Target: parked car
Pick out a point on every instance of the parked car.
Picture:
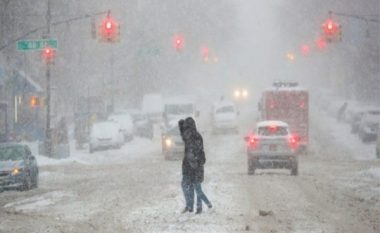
(271, 145)
(105, 135)
(18, 167)
(143, 126)
(173, 146)
(126, 124)
(224, 117)
(369, 126)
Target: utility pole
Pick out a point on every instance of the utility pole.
(48, 139)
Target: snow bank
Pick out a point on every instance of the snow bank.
(372, 173)
(37, 202)
(131, 150)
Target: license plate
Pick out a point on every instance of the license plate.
(273, 147)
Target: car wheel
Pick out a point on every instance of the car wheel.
(251, 168)
(294, 170)
(27, 184)
(35, 182)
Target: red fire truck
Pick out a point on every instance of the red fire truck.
(288, 102)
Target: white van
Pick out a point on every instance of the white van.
(224, 117)
(152, 106)
(176, 108)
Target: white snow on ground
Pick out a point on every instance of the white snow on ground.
(130, 150)
(38, 202)
(372, 173)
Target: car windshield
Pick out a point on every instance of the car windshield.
(176, 109)
(272, 131)
(104, 129)
(13, 153)
(174, 131)
(225, 109)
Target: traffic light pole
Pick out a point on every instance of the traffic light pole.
(48, 142)
(48, 139)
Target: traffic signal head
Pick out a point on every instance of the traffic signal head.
(179, 42)
(305, 49)
(331, 30)
(48, 54)
(321, 43)
(109, 30)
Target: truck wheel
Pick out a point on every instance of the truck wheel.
(251, 168)
(294, 170)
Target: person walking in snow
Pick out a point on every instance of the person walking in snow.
(187, 174)
(195, 159)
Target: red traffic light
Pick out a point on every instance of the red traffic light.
(331, 30)
(178, 42)
(305, 49)
(321, 43)
(109, 30)
(330, 27)
(205, 52)
(48, 54)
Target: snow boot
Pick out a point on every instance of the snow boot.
(186, 210)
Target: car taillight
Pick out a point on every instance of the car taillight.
(293, 141)
(252, 141)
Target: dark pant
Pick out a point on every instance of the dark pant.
(200, 196)
(188, 191)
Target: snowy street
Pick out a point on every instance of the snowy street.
(113, 112)
(135, 190)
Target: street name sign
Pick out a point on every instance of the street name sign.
(27, 45)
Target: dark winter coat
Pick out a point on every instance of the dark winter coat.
(194, 158)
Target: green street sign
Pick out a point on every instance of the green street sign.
(25, 45)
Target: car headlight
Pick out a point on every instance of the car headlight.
(16, 171)
(245, 93)
(168, 142)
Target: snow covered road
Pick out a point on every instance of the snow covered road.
(135, 190)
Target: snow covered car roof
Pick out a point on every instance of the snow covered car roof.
(271, 123)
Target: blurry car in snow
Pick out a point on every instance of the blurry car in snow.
(369, 126)
(105, 135)
(18, 167)
(142, 125)
(272, 146)
(224, 117)
(126, 124)
(152, 106)
(172, 145)
(178, 107)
